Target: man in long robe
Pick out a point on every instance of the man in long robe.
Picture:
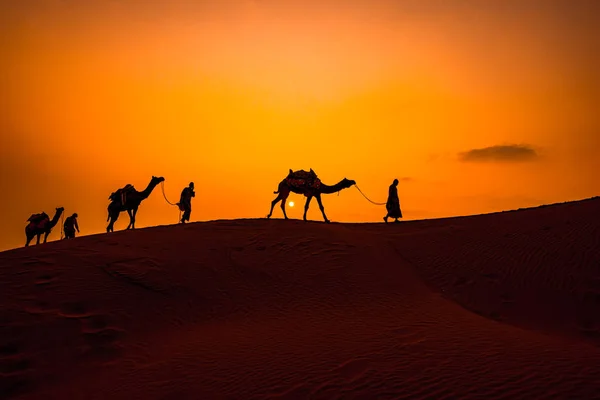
(393, 203)
(185, 202)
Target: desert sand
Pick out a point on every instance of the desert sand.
(504, 305)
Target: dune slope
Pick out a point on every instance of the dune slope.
(502, 305)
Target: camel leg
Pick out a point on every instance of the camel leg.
(114, 216)
(130, 219)
(133, 218)
(283, 200)
(308, 199)
(38, 238)
(273, 203)
(318, 196)
(46, 236)
(109, 227)
(29, 237)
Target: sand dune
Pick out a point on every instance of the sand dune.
(503, 305)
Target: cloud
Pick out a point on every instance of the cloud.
(406, 179)
(501, 153)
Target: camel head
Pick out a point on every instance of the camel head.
(157, 179)
(341, 185)
(59, 211)
(346, 183)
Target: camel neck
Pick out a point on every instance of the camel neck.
(146, 192)
(326, 189)
(55, 218)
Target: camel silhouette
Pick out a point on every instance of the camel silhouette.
(284, 189)
(129, 202)
(44, 225)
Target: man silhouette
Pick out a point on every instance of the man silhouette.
(70, 226)
(393, 203)
(185, 202)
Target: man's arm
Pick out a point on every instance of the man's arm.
(76, 225)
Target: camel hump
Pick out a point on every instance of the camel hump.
(38, 217)
(304, 179)
(302, 174)
(127, 188)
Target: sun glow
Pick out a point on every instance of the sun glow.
(291, 203)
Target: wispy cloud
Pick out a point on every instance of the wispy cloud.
(500, 153)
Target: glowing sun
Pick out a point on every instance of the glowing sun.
(291, 203)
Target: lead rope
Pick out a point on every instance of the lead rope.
(162, 186)
(377, 204)
(62, 225)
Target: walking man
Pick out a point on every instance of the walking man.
(185, 202)
(70, 226)
(393, 203)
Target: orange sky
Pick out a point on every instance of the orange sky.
(231, 94)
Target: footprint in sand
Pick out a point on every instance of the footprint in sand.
(74, 310)
(101, 339)
(14, 367)
(39, 307)
(102, 345)
(45, 279)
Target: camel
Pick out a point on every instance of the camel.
(284, 189)
(44, 225)
(128, 201)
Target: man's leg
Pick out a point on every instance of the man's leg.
(186, 215)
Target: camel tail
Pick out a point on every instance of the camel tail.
(276, 192)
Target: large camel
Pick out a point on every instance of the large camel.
(129, 201)
(284, 189)
(44, 225)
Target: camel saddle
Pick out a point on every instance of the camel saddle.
(121, 194)
(302, 179)
(37, 218)
(38, 221)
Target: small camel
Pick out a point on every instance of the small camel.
(132, 200)
(43, 225)
(284, 189)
